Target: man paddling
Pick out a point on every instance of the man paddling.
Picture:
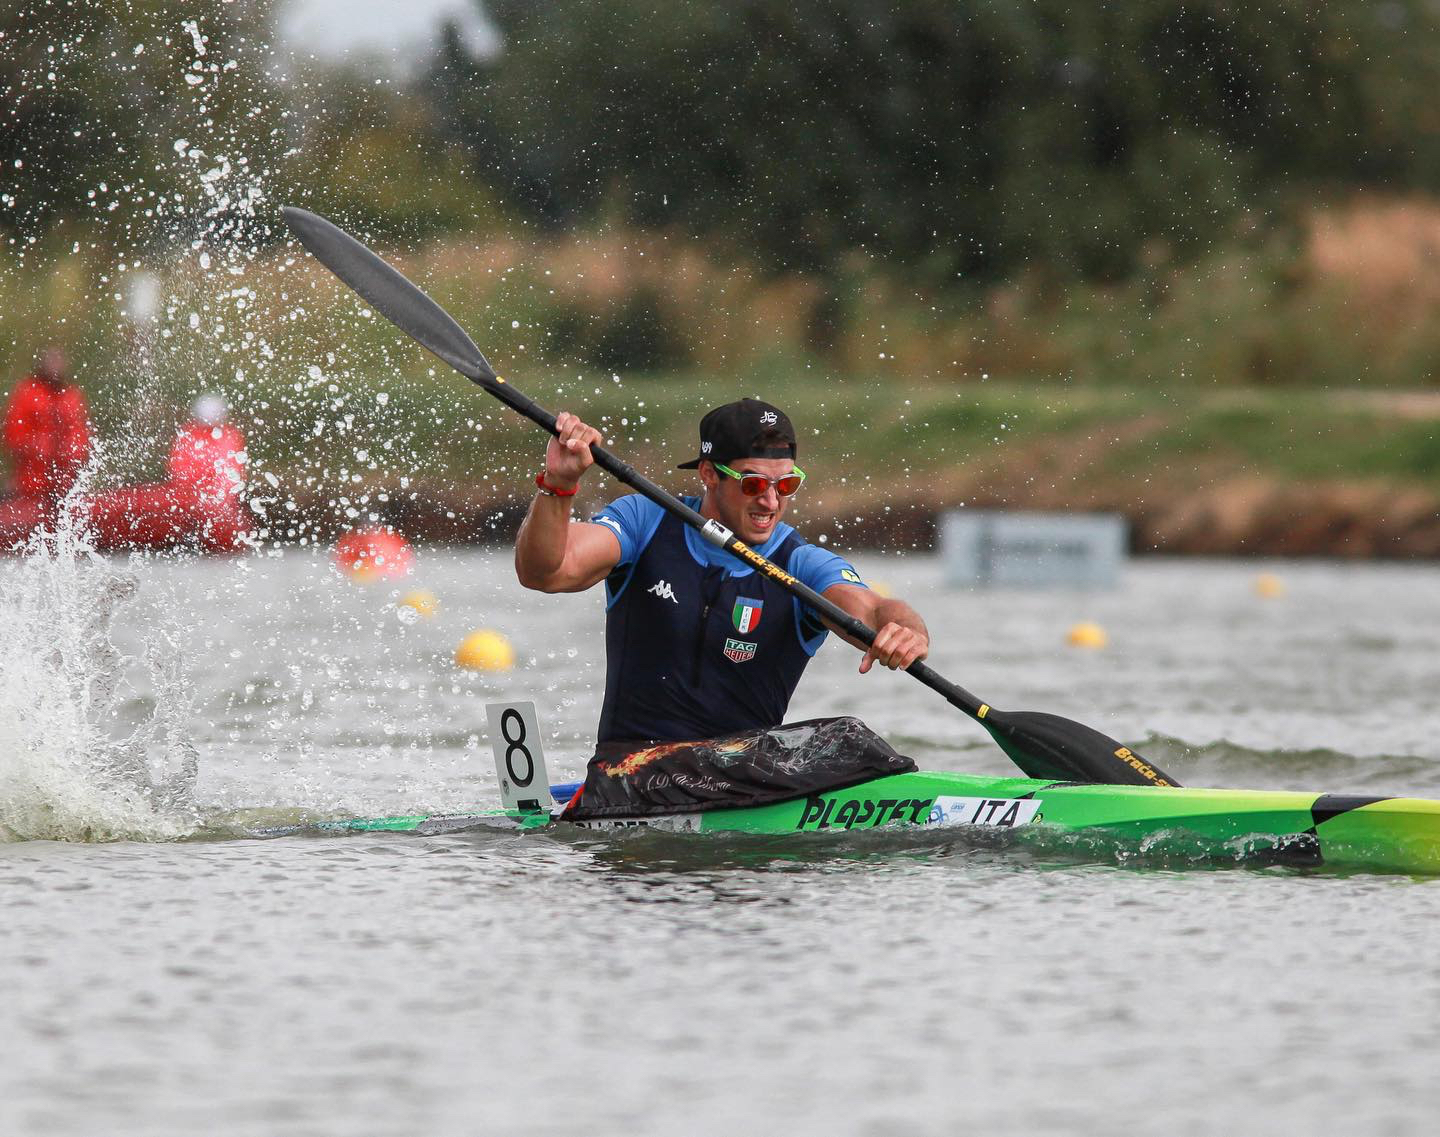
(698, 643)
(1042, 745)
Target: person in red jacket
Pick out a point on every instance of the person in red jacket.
(208, 456)
(197, 506)
(47, 431)
(207, 469)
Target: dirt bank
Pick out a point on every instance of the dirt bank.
(1240, 516)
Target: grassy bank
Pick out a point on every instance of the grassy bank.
(1306, 472)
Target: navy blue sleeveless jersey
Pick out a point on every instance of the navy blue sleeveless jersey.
(697, 643)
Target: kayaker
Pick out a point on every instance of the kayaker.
(699, 644)
(47, 432)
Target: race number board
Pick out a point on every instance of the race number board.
(519, 758)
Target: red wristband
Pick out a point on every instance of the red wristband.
(551, 490)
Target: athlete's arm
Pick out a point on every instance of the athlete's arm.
(551, 553)
(902, 637)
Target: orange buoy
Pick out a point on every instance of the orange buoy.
(1087, 635)
(417, 605)
(1268, 586)
(377, 553)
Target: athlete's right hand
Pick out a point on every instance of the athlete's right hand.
(568, 456)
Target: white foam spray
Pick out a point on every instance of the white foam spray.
(74, 763)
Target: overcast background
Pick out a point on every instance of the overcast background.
(398, 30)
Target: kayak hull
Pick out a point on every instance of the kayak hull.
(1246, 826)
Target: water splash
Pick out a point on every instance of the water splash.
(73, 763)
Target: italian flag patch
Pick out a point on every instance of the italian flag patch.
(746, 614)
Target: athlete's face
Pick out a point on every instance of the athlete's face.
(753, 519)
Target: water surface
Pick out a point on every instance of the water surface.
(652, 983)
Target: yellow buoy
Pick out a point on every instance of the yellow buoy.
(1088, 635)
(417, 605)
(1269, 586)
(484, 650)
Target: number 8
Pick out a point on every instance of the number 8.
(516, 744)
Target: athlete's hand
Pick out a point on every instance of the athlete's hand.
(896, 647)
(568, 456)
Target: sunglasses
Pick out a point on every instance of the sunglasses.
(753, 485)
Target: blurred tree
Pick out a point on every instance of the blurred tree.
(963, 140)
(371, 155)
(95, 95)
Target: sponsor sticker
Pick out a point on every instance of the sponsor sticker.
(774, 572)
(1133, 760)
(668, 823)
(1001, 812)
(851, 575)
(738, 651)
(746, 614)
(863, 813)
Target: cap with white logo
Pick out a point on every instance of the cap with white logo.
(744, 429)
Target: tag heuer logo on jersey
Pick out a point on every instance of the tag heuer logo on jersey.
(747, 614)
(738, 651)
(662, 589)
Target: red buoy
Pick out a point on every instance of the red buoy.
(377, 553)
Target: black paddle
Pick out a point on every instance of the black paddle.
(1042, 745)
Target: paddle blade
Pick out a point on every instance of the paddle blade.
(389, 293)
(1048, 746)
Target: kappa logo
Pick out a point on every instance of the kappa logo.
(610, 521)
(662, 589)
(738, 651)
(769, 418)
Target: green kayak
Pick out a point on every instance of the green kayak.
(1244, 826)
(1166, 824)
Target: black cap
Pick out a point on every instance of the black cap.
(747, 429)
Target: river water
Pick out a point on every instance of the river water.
(166, 977)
